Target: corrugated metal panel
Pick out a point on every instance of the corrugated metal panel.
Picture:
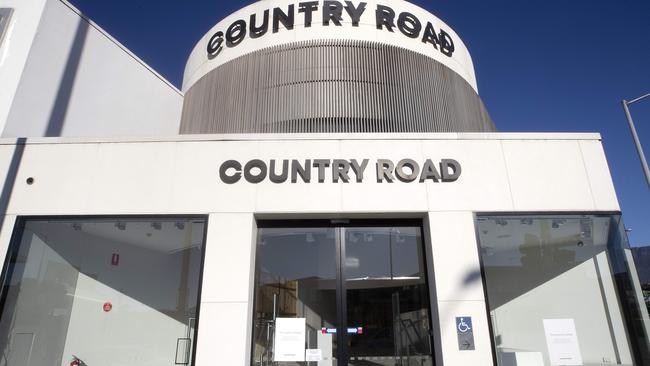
(333, 86)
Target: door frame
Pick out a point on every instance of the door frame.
(341, 291)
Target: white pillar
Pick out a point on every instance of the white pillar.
(225, 318)
(458, 287)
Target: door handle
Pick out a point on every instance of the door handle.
(183, 346)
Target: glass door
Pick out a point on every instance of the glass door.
(338, 295)
(386, 297)
(296, 308)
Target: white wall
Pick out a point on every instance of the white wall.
(199, 64)
(225, 322)
(15, 48)
(459, 289)
(77, 81)
(501, 173)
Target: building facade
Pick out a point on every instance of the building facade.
(327, 189)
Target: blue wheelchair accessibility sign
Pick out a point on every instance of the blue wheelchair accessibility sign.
(465, 332)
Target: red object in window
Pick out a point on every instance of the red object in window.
(108, 307)
(115, 260)
(75, 362)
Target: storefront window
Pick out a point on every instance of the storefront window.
(562, 290)
(102, 292)
(5, 17)
(341, 296)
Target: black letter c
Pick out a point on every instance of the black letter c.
(223, 172)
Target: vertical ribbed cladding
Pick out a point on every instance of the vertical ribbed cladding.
(333, 86)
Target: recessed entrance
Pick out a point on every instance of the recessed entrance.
(337, 295)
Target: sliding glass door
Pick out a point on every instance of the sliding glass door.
(347, 294)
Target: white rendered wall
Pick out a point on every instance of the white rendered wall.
(199, 64)
(459, 288)
(15, 48)
(77, 81)
(501, 173)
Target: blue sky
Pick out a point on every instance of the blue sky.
(541, 65)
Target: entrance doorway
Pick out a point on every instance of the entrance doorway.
(352, 293)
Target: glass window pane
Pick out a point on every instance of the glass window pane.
(296, 279)
(387, 297)
(560, 291)
(108, 292)
(5, 17)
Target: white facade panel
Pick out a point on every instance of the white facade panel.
(500, 173)
(599, 176)
(458, 285)
(199, 64)
(15, 48)
(182, 176)
(451, 355)
(8, 222)
(77, 81)
(229, 265)
(226, 340)
(547, 176)
(455, 256)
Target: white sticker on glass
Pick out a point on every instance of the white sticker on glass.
(289, 340)
(562, 342)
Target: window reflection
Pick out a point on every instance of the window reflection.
(296, 278)
(387, 297)
(5, 17)
(545, 273)
(367, 282)
(102, 291)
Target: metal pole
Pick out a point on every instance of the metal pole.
(639, 149)
(638, 99)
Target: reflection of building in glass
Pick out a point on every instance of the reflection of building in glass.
(77, 285)
(531, 260)
(381, 277)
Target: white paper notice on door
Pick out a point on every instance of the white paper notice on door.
(289, 340)
(562, 342)
(313, 355)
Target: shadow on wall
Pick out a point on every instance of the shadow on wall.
(60, 108)
(57, 115)
(10, 179)
(472, 277)
(540, 262)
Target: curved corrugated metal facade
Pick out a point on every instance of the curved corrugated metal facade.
(333, 86)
